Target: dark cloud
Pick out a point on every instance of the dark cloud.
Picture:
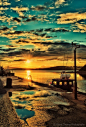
(80, 56)
(34, 18)
(15, 32)
(7, 50)
(15, 53)
(36, 34)
(4, 28)
(25, 50)
(42, 35)
(28, 20)
(48, 29)
(16, 19)
(23, 17)
(2, 54)
(82, 20)
(56, 49)
(19, 52)
(2, 60)
(52, 30)
(78, 41)
(51, 49)
(48, 59)
(22, 41)
(10, 46)
(60, 30)
(32, 30)
(48, 36)
(38, 8)
(39, 30)
(63, 43)
(57, 30)
(18, 32)
(20, 60)
(38, 53)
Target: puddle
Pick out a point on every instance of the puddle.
(28, 92)
(21, 102)
(24, 113)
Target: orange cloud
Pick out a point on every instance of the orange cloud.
(19, 10)
(81, 28)
(71, 17)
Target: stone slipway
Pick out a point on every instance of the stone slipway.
(8, 115)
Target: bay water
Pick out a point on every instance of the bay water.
(46, 76)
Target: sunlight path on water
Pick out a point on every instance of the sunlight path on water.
(46, 76)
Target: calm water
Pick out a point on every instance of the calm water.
(21, 104)
(24, 113)
(46, 76)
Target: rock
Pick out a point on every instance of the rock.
(68, 109)
(62, 112)
(85, 102)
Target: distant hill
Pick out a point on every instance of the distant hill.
(82, 71)
(57, 68)
(83, 68)
(50, 68)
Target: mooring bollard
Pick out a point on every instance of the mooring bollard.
(9, 83)
(10, 94)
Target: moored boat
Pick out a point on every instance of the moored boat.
(64, 82)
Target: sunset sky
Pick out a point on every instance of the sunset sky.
(39, 33)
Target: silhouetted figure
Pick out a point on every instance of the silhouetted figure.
(2, 71)
(62, 75)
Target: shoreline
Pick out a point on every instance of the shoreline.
(48, 112)
(8, 115)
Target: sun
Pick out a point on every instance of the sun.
(28, 61)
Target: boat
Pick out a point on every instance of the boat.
(64, 82)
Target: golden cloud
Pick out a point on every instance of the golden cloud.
(4, 2)
(81, 27)
(71, 17)
(2, 9)
(59, 2)
(19, 10)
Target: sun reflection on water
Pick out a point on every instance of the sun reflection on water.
(28, 72)
(29, 75)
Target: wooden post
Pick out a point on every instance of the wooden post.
(75, 89)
